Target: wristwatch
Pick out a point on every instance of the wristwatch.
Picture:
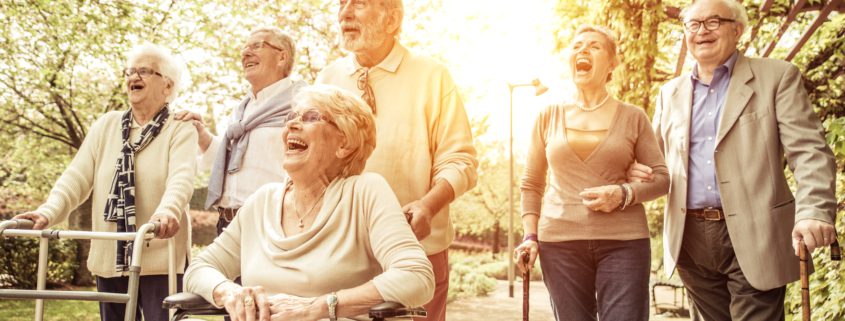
(331, 301)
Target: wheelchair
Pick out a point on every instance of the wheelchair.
(187, 304)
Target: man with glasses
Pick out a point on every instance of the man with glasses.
(249, 154)
(424, 142)
(732, 225)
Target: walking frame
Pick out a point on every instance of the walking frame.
(805, 256)
(146, 232)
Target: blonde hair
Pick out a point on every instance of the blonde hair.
(351, 115)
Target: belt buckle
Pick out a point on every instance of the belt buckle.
(227, 214)
(712, 214)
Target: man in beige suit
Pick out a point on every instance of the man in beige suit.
(732, 224)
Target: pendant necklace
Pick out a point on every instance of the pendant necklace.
(301, 225)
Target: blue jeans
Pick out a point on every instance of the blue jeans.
(607, 279)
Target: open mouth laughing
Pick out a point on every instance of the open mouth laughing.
(583, 65)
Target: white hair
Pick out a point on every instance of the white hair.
(169, 66)
(399, 8)
(283, 40)
(737, 9)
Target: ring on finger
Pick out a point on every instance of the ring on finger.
(249, 302)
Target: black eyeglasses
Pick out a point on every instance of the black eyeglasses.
(709, 24)
(308, 116)
(255, 46)
(143, 72)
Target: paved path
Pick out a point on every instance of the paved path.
(498, 306)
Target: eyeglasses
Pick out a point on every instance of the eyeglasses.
(143, 72)
(364, 84)
(255, 46)
(308, 116)
(710, 24)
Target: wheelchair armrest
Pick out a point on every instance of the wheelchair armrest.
(188, 301)
(393, 310)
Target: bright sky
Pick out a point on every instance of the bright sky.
(499, 43)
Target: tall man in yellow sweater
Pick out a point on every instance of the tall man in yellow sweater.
(424, 142)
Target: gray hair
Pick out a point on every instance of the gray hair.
(169, 66)
(397, 6)
(737, 9)
(351, 115)
(280, 39)
(608, 36)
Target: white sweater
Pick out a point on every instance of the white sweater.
(359, 234)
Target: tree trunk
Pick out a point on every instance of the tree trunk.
(80, 219)
(496, 231)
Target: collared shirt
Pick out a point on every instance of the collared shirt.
(263, 158)
(422, 130)
(708, 101)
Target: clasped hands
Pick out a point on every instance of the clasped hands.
(253, 304)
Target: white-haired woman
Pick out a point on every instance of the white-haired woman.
(138, 166)
(331, 241)
(589, 225)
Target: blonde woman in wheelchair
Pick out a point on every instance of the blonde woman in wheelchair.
(330, 242)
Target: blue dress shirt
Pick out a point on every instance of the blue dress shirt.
(708, 100)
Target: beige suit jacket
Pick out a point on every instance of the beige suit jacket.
(766, 120)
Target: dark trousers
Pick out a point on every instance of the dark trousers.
(607, 279)
(152, 290)
(221, 225)
(707, 264)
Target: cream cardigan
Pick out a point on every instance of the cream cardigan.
(359, 234)
(164, 174)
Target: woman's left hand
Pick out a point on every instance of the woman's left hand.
(169, 225)
(603, 198)
(291, 307)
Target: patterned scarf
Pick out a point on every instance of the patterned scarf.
(120, 204)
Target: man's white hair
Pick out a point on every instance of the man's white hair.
(399, 7)
(169, 66)
(737, 9)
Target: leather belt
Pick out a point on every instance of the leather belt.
(227, 214)
(707, 214)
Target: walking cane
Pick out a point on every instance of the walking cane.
(526, 282)
(804, 256)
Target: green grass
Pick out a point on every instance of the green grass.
(60, 310)
(24, 310)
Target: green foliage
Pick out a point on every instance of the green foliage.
(465, 280)
(19, 262)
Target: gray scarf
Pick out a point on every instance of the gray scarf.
(271, 113)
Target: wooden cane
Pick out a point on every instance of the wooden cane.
(804, 256)
(526, 280)
(805, 280)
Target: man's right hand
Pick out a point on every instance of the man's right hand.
(196, 120)
(40, 220)
(639, 173)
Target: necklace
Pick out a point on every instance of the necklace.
(597, 106)
(301, 225)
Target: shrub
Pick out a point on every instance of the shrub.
(19, 262)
